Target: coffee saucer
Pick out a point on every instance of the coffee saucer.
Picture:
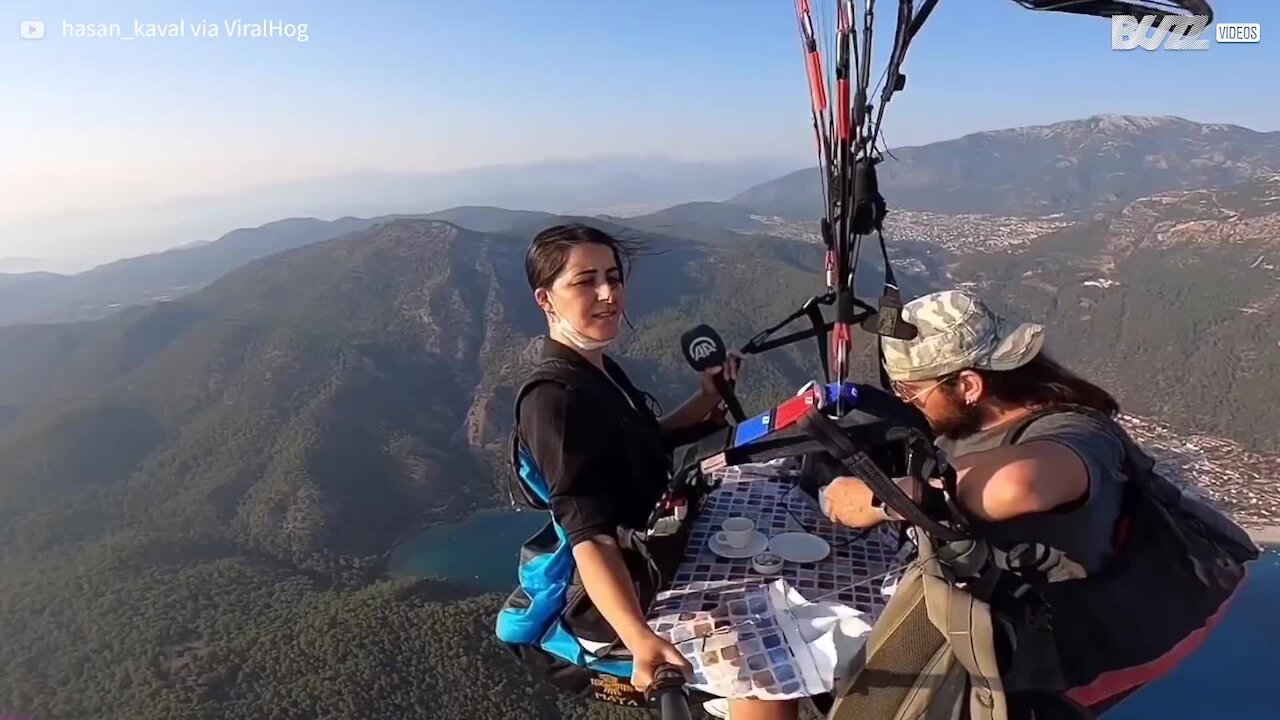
(758, 543)
(799, 547)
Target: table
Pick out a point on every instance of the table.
(781, 636)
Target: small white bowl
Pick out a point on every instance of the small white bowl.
(767, 563)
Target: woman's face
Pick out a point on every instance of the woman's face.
(588, 292)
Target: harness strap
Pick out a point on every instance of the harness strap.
(812, 308)
(969, 628)
(973, 638)
(548, 370)
(892, 299)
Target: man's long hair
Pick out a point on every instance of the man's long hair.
(1044, 382)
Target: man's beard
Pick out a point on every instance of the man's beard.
(956, 420)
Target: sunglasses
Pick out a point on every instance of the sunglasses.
(905, 393)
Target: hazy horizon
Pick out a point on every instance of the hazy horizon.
(194, 218)
(115, 148)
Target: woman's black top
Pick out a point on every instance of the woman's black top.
(597, 444)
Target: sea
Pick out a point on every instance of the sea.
(1235, 675)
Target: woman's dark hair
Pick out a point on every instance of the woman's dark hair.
(1044, 382)
(549, 251)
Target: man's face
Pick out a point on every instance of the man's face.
(943, 404)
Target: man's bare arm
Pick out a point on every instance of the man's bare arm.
(1006, 482)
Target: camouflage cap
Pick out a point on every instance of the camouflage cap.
(957, 331)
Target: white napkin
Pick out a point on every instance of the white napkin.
(831, 634)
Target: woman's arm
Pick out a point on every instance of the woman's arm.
(608, 584)
(706, 400)
(691, 412)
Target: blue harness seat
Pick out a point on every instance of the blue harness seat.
(532, 614)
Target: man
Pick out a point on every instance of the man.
(1102, 575)
(974, 376)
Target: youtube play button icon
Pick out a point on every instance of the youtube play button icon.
(31, 29)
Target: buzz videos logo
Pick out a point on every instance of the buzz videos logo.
(1176, 32)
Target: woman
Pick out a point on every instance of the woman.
(601, 450)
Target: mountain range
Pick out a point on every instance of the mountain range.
(1071, 168)
(225, 470)
(17, 265)
(269, 390)
(1172, 301)
(1077, 167)
(617, 185)
(247, 387)
(49, 297)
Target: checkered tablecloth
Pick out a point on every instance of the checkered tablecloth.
(752, 635)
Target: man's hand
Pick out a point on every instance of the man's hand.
(718, 415)
(648, 653)
(847, 501)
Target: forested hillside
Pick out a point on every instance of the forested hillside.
(145, 625)
(1173, 303)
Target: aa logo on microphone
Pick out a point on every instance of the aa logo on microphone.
(702, 348)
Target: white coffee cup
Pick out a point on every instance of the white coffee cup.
(736, 532)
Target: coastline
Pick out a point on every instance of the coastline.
(1264, 534)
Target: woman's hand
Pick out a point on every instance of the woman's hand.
(706, 380)
(608, 584)
(705, 404)
(650, 652)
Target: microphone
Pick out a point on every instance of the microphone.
(703, 348)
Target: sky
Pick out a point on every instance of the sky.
(114, 125)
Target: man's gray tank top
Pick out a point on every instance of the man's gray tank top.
(1080, 530)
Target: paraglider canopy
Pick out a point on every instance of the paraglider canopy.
(1107, 8)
